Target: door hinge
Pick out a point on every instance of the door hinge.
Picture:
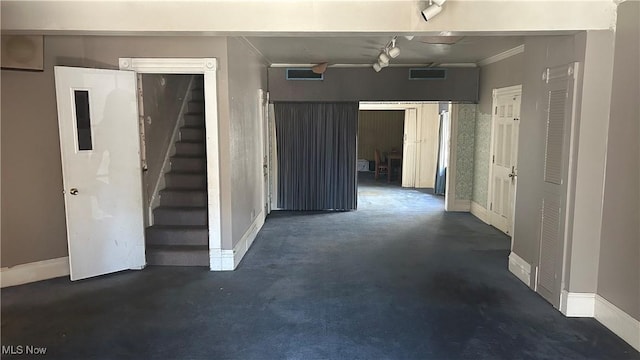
(490, 206)
(493, 160)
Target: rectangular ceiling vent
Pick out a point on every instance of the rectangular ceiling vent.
(427, 74)
(303, 74)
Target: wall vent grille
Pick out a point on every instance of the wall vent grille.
(303, 74)
(427, 74)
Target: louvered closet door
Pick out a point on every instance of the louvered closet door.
(559, 91)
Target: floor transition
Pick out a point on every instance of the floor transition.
(396, 279)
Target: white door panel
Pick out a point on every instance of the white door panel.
(427, 146)
(99, 142)
(504, 167)
(409, 148)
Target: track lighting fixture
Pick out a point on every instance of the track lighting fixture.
(435, 7)
(390, 51)
(393, 51)
(383, 58)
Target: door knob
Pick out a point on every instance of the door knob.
(73, 191)
(512, 175)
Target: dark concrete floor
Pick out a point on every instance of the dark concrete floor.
(397, 279)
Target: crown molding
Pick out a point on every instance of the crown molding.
(501, 56)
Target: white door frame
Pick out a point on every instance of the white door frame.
(505, 91)
(207, 67)
(263, 114)
(273, 157)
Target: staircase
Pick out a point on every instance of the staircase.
(179, 235)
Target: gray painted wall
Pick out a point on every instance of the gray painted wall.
(364, 84)
(33, 218)
(583, 248)
(507, 72)
(619, 270)
(247, 74)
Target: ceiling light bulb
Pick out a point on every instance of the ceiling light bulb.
(377, 67)
(431, 11)
(394, 52)
(383, 58)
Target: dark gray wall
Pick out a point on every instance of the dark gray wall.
(364, 84)
(33, 216)
(619, 270)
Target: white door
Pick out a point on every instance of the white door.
(99, 142)
(504, 158)
(428, 131)
(409, 147)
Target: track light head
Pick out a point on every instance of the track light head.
(431, 11)
(383, 64)
(383, 58)
(409, 37)
(377, 67)
(394, 52)
(439, 2)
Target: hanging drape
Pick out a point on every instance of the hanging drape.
(317, 155)
(443, 155)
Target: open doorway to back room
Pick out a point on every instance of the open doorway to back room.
(397, 152)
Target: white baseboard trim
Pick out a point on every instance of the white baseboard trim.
(458, 205)
(220, 260)
(247, 239)
(520, 268)
(595, 306)
(618, 321)
(480, 212)
(578, 304)
(228, 260)
(35, 271)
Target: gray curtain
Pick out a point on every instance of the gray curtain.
(441, 171)
(317, 155)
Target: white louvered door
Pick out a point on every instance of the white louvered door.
(558, 115)
(504, 164)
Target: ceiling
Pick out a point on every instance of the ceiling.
(365, 49)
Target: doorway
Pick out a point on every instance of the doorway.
(175, 176)
(420, 140)
(100, 139)
(205, 67)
